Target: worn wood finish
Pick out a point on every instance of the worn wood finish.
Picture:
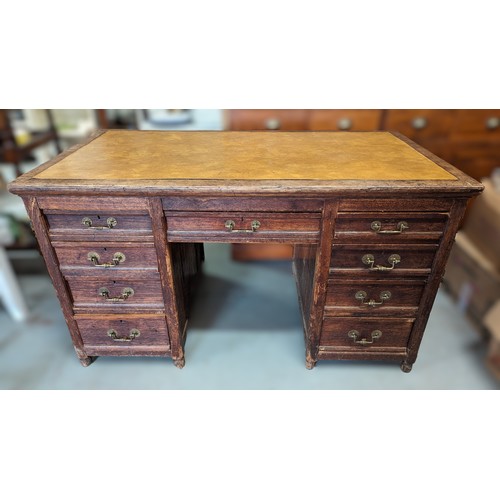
(358, 227)
(343, 182)
(239, 203)
(152, 331)
(176, 318)
(320, 282)
(303, 266)
(87, 296)
(40, 228)
(415, 260)
(397, 204)
(97, 224)
(210, 226)
(394, 333)
(74, 258)
(404, 298)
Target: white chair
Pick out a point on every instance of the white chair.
(10, 292)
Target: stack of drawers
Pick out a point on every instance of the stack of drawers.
(382, 256)
(108, 259)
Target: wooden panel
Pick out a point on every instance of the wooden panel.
(304, 265)
(415, 260)
(63, 204)
(395, 333)
(147, 294)
(74, 258)
(477, 159)
(345, 119)
(268, 119)
(478, 123)
(403, 204)
(210, 226)
(403, 301)
(240, 203)
(140, 155)
(152, 331)
(420, 124)
(103, 226)
(383, 227)
(261, 251)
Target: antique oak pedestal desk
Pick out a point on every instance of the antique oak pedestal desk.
(121, 222)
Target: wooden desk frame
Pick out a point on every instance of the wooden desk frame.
(163, 223)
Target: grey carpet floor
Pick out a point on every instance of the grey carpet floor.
(244, 333)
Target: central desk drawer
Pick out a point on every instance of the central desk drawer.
(243, 227)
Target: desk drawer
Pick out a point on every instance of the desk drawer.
(106, 259)
(345, 119)
(386, 261)
(399, 298)
(127, 335)
(86, 226)
(243, 227)
(383, 227)
(115, 295)
(365, 333)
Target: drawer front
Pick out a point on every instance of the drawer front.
(241, 203)
(115, 295)
(268, 119)
(373, 298)
(87, 226)
(382, 262)
(477, 159)
(482, 123)
(345, 119)
(420, 123)
(402, 204)
(106, 259)
(365, 333)
(243, 227)
(382, 227)
(125, 333)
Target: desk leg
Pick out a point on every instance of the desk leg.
(180, 362)
(87, 360)
(310, 361)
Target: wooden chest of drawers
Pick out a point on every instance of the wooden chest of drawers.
(121, 222)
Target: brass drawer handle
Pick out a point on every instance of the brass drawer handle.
(393, 259)
(376, 227)
(230, 226)
(361, 295)
(111, 222)
(126, 293)
(354, 334)
(117, 258)
(134, 333)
